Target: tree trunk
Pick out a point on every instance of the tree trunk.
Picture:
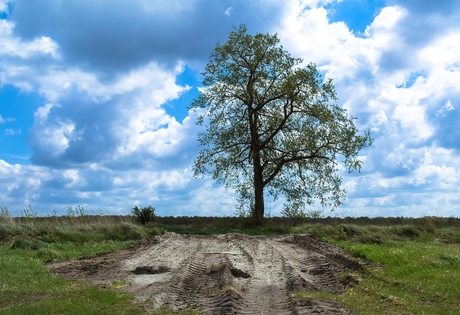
(258, 211)
(259, 207)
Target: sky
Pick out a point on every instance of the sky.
(94, 97)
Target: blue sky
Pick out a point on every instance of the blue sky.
(94, 96)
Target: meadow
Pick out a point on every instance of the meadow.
(415, 261)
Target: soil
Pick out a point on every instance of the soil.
(224, 274)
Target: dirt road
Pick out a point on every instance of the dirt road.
(224, 274)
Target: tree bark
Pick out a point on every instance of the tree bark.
(259, 207)
(258, 211)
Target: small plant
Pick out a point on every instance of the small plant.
(295, 214)
(5, 216)
(144, 214)
(315, 214)
(78, 211)
(4, 211)
(30, 213)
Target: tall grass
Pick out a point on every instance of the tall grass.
(72, 236)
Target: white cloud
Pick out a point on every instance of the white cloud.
(14, 47)
(42, 112)
(413, 121)
(4, 120)
(319, 46)
(75, 180)
(228, 12)
(56, 137)
(11, 132)
(3, 6)
(383, 25)
(446, 108)
(211, 200)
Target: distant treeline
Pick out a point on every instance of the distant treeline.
(199, 221)
(282, 221)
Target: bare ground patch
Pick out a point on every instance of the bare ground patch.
(223, 274)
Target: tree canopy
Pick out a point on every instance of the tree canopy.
(273, 126)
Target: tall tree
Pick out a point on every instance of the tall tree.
(273, 126)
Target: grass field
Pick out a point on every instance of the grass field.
(417, 261)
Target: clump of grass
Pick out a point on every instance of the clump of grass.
(28, 244)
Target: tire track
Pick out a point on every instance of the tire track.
(266, 292)
(207, 282)
(233, 274)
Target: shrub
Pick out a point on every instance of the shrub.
(144, 214)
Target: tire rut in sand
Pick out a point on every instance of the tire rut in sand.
(234, 274)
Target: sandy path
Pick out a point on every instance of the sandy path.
(224, 274)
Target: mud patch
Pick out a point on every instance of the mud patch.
(225, 274)
(150, 270)
(239, 273)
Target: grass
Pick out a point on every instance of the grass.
(419, 273)
(27, 287)
(415, 278)
(419, 259)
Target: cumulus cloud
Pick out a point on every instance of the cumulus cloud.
(93, 121)
(13, 47)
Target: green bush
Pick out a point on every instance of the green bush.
(144, 214)
(28, 244)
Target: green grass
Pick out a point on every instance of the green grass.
(27, 287)
(415, 278)
(419, 263)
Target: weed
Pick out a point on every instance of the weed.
(5, 219)
(29, 213)
(314, 214)
(295, 214)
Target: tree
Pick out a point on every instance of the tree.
(273, 126)
(144, 214)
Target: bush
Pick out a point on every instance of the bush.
(144, 214)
